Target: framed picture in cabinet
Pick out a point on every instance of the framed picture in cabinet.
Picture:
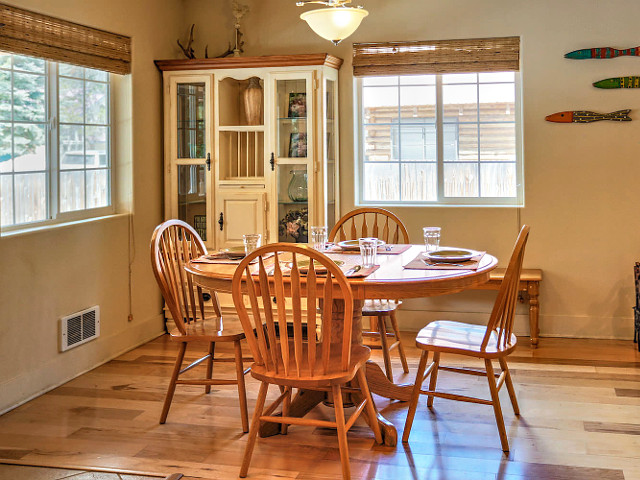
(297, 105)
(298, 145)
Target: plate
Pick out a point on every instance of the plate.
(303, 265)
(451, 255)
(234, 252)
(355, 244)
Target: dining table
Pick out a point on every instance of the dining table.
(392, 280)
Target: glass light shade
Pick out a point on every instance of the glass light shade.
(334, 23)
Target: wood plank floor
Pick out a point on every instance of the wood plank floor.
(580, 403)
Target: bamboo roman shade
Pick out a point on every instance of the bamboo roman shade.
(437, 56)
(30, 33)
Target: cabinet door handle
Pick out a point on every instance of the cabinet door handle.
(272, 162)
(208, 161)
(221, 221)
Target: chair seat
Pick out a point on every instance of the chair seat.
(461, 338)
(335, 376)
(379, 306)
(211, 329)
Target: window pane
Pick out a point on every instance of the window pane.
(497, 77)
(6, 200)
(71, 147)
(71, 191)
(412, 143)
(5, 60)
(28, 64)
(418, 80)
(5, 95)
(380, 104)
(71, 100)
(460, 103)
(497, 102)
(498, 179)
(30, 150)
(99, 75)
(450, 149)
(97, 146)
(498, 142)
(6, 161)
(467, 142)
(97, 101)
(70, 70)
(461, 180)
(30, 197)
(381, 182)
(377, 143)
(369, 81)
(97, 188)
(419, 182)
(29, 104)
(418, 103)
(460, 78)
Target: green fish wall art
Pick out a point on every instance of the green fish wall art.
(619, 82)
(584, 116)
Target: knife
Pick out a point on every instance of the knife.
(353, 270)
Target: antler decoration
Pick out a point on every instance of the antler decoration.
(188, 50)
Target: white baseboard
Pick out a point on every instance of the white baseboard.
(22, 388)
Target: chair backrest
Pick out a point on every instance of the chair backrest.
(503, 313)
(370, 222)
(173, 244)
(281, 273)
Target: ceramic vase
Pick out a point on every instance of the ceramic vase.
(253, 102)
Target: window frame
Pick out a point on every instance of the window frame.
(53, 170)
(441, 201)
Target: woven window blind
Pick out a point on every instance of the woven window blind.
(437, 56)
(30, 33)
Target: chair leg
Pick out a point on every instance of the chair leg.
(496, 405)
(413, 403)
(510, 389)
(172, 383)
(242, 391)
(212, 349)
(396, 331)
(286, 403)
(342, 432)
(370, 406)
(386, 355)
(434, 378)
(253, 432)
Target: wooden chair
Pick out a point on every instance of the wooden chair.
(382, 224)
(173, 244)
(496, 340)
(283, 354)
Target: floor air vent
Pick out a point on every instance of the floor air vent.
(79, 328)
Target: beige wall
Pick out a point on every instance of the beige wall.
(581, 189)
(45, 275)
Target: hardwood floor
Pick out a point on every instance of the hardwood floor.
(580, 404)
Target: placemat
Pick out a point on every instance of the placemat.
(346, 268)
(391, 249)
(223, 259)
(422, 263)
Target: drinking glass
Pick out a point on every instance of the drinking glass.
(251, 242)
(368, 251)
(319, 238)
(431, 238)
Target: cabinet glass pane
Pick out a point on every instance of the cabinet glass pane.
(292, 112)
(293, 204)
(330, 149)
(191, 120)
(192, 197)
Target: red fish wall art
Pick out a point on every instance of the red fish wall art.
(585, 116)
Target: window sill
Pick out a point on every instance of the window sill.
(55, 226)
(436, 205)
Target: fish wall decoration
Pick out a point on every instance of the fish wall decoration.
(584, 116)
(604, 52)
(619, 82)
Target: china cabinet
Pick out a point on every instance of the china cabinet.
(251, 145)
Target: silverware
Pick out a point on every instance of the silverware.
(443, 263)
(353, 270)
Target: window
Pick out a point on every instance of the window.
(55, 141)
(440, 139)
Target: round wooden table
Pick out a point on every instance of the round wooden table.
(391, 280)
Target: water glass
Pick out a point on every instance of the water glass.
(251, 242)
(431, 238)
(368, 251)
(319, 238)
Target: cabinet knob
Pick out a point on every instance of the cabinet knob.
(272, 162)
(221, 221)
(208, 161)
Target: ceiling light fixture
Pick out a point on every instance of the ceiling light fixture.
(336, 22)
